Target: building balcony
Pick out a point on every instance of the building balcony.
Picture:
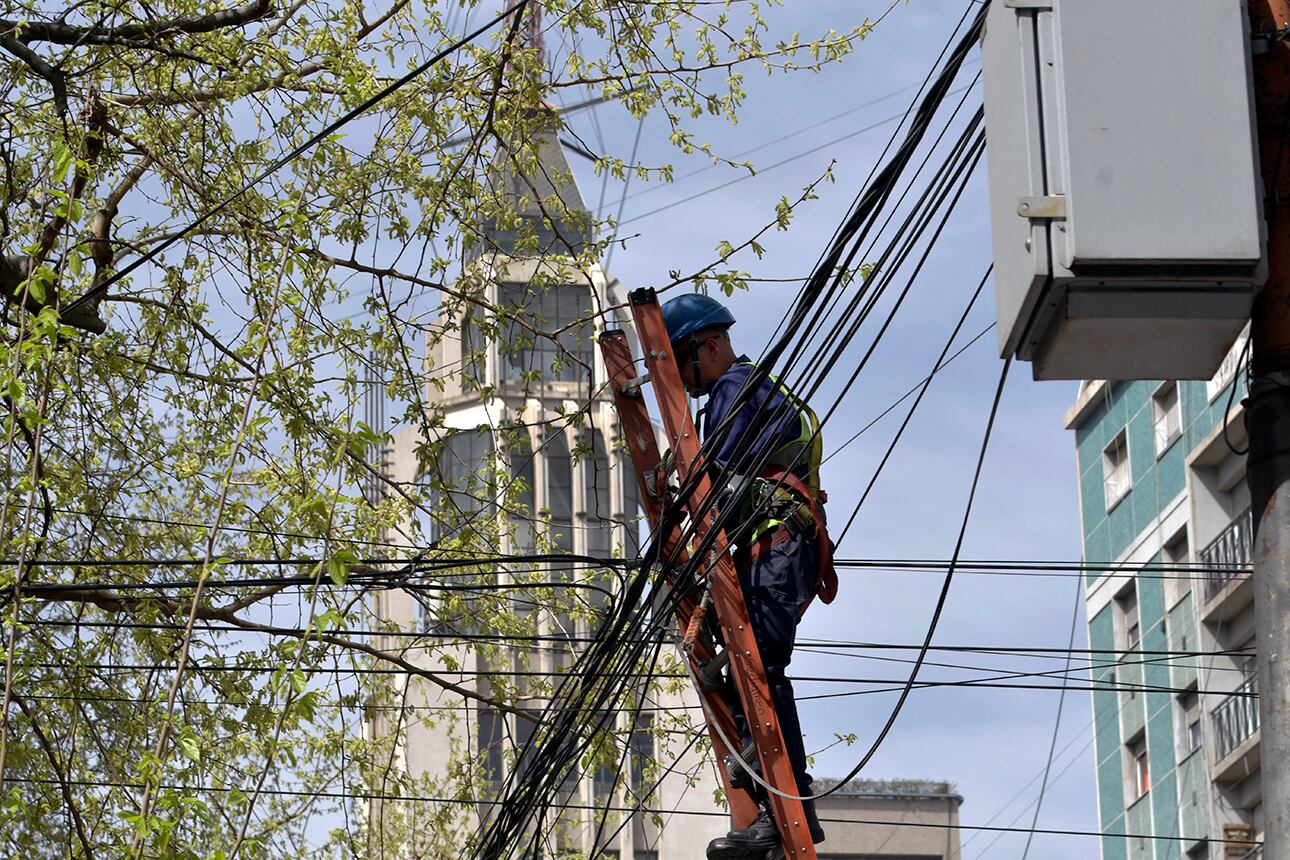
(1236, 733)
(1239, 843)
(1226, 563)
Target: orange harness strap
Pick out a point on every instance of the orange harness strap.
(827, 589)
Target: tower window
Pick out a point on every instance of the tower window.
(563, 350)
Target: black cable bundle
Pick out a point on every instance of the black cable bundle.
(604, 674)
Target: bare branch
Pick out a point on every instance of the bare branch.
(68, 34)
(38, 64)
(48, 749)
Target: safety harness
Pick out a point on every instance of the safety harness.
(797, 504)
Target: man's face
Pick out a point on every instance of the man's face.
(710, 349)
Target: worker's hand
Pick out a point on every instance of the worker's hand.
(661, 482)
(665, 478)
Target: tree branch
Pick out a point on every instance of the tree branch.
(38, 64)
(230, 90)
(115, 602)
(48, 749)
(69, 34)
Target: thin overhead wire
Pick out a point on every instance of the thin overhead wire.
(1057, 723)
(409, 798)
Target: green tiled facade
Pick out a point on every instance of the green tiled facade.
(1137, 696)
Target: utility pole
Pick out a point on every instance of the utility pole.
(1267, 419)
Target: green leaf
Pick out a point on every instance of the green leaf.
(62, 161)
(189, 747)
(338, 570)
(36, 288)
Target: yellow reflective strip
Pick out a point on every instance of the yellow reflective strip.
(810, 430)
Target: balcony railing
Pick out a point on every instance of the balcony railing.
(1228, 554)
(1237, 718)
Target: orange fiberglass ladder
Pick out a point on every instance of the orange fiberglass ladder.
(719, 577)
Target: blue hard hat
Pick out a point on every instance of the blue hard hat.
(692, 312)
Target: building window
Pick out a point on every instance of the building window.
(1139, 771)
(1167, 416)
(460, 485)
(559, 491)
(559, 510)
(1115, 468)
(1130, 626)
(639, 758)
(489, 739)
(642, 755)
(524, 744)
(1189, 723)
(596, 486)
(1176, 557)
(564, 313)
(631, 514)
(523, 509)
(474, 354)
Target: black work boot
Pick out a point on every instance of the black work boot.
(813, 821)
(812, 825)
(738, 773)
(750, 842)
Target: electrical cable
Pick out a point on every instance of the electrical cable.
(376, 796)
(762, 171)
(868, 201)
(630, 608)
(895, 440)
(789, 136)
(1057, 723)
(805, 644)
(906, 395)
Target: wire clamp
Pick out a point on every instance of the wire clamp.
(1262, 43)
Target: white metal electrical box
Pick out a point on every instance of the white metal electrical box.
(1125, 197)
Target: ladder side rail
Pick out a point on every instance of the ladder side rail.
(637, 429)
(727, 596)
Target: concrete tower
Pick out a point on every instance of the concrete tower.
(526, 458)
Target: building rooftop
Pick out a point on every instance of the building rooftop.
(904, 789)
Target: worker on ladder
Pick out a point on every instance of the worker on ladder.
(782, 551)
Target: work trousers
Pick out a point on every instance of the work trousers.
(777, 584)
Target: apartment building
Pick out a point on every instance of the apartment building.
(1176, 720)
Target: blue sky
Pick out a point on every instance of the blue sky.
(991, 742)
